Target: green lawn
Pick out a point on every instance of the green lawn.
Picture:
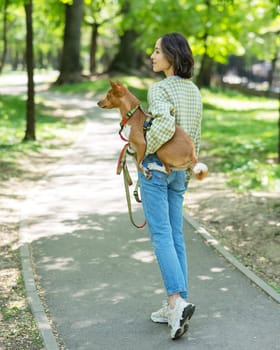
(241, 135)
(50, 131)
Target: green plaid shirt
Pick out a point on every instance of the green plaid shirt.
(173, 100)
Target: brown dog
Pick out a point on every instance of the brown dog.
(178, 153)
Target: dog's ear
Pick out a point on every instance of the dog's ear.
(117, 88)
(112, 83)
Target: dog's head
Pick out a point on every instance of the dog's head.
(114, 95)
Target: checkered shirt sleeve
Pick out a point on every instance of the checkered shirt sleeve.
(163, 126)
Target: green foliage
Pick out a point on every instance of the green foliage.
(48, 21)
(260, 33)
(225, 27)
(16, 23)
(222, 28)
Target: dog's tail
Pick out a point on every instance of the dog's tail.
(200, 171)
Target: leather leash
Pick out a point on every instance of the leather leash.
(122, 167)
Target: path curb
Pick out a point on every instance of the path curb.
(216, 245)
(35, 303)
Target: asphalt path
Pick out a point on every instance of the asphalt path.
(97, 275)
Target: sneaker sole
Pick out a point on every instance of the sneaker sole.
(159, 320)
(187, 315)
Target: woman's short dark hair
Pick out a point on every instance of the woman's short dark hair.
(177, 51)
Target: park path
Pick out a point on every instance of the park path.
(97, 274)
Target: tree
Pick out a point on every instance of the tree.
(129, 57)
(278, 129)
(48, 43)
(5, 41)
(93, 47)
(215, 29)
(98, 13)
(30, 104)
(12, 45)
(70, 66)
(206, 63)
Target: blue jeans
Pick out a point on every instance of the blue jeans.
(162, 200)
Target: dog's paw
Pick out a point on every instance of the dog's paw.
(147, 173)
(131, 151)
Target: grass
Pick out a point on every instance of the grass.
(274, 286)
(241, 135)
(12, 128)
(239, 132)
(18, 319)
(12, 124)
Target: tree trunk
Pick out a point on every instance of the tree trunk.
(207, 63)
(278, 128)
(93, 47)
(30, 105)
(5, 41)
(70, 67)
(271, 72)
(128, 57)
(205, 72)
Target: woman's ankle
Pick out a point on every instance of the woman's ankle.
(172, 300)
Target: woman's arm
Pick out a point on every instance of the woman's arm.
(163, 126)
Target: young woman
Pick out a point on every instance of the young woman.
(173, 100)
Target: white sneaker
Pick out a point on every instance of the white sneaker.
(179, 316)
(161, 316)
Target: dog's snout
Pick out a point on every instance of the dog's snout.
(101, 104)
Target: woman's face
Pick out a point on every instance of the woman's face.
(159, 61)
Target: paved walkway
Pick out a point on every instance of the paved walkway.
(98, 275)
